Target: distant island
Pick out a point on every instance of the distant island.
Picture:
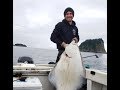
(93, 45)
(19, 44)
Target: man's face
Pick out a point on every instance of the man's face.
(69, 16)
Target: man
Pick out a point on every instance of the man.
(65, 32)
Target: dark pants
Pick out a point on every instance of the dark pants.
(59, 54)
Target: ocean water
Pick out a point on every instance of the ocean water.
(44, 56)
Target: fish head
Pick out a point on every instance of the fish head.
(72, 50)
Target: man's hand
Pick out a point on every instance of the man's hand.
(76, 40)
(64, 44)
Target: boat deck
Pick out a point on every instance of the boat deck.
(96, 79)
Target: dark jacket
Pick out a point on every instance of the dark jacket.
(64, 32)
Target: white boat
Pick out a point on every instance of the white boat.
(38, 73)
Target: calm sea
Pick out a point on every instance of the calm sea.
(45, 56)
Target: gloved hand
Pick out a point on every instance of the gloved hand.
(64, 44)
(76, 40)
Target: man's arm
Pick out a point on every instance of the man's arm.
(55, 36)
(77, 35)
(76, 38)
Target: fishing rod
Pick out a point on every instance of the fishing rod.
(91, 56)
(82, 57)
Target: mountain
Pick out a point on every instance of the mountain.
(93, 45)
(19, 44)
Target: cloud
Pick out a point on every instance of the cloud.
(37, 18)
(34, 20)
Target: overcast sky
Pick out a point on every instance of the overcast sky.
(34, 20)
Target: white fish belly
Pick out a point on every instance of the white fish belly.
(69, 72)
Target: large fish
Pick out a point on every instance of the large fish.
(69, 72)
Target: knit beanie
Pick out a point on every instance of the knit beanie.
(68, 9)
